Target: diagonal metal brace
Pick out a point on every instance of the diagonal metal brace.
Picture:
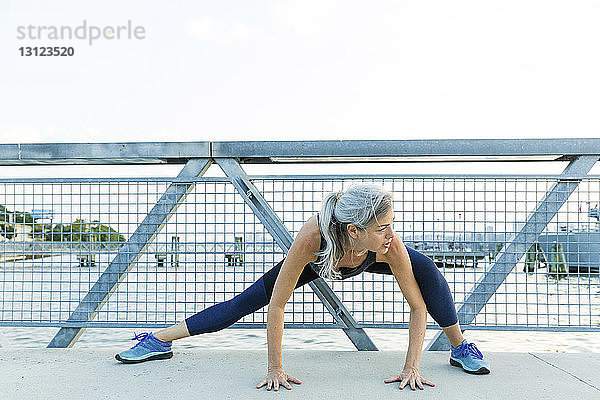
(282, 236)
(118, 268)
(508, 257)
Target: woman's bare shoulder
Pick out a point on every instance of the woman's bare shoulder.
(308, 239)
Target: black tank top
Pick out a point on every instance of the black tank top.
(345, 271)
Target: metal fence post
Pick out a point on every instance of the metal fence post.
(508, 257)
(284, 239)
(118, 268)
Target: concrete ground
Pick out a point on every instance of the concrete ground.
(201, 374)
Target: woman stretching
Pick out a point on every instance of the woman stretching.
(352, 233)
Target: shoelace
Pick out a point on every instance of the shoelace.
(140, 338)
(471, 348)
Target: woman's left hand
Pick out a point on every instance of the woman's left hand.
(410, 377)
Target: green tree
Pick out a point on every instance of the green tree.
(59, 233)
(23, 217)
(80, 231)
(104, 233)
(7, 230)
(3, 213)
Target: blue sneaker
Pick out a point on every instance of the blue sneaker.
(469, 358)
(148, 348)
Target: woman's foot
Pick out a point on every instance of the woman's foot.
(148, 348)
(469, 358)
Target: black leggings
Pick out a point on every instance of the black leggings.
(434, 289)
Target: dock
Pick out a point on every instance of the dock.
(201, 374)
(21, 257)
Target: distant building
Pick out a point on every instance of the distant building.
(42, 214)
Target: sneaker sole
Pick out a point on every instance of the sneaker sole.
(163, 356)
(480, 371)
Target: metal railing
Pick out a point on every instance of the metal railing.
(519, 252)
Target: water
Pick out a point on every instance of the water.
(312, 339)
(573, 300)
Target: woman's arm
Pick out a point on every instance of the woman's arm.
(301, 252)
(284, 286)
(399, 261)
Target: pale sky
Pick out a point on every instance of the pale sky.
(300, 70)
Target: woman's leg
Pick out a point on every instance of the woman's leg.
(173, 332)
(454, 334)
(222, 315)
(435, 292)
(158, 346)
(440, 305)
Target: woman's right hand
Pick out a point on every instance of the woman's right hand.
(276, 377)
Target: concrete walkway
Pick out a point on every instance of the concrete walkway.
(201, 374)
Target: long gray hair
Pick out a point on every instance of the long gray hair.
(360, 205)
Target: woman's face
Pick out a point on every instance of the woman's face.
(378, 236)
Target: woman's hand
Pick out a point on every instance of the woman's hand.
(278, 377)
(411, 377)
